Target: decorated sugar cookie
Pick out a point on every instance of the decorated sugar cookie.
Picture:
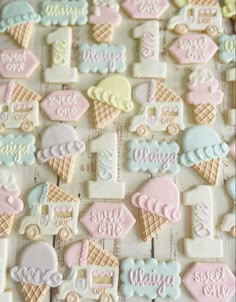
(161, 109)
(17, 63)
(227, 48)
(60, 146)
(52, 212)
(37, 271)
(228, 223)
(17, 19)
(201, 201)
(142, 278)
(87, 260)
(197, 15)
(203, 150)
(102, 58)
(210, 282)
(19, 107)
(229, 9)
(153, 157)
(104, 18)
(158, 202)
(204, 94)
(145, 9)
(64, 13)
(5, 295)
(232, 149)
(231, 113)
(193, 49)
(110, 97)
(65, 105)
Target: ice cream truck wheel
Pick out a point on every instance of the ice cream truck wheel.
(211, 30)
(181, 29)
(27, 125)
(65, 234)
(172, 129)
(2, 128)
(232, 232)
(105, 298)
(143, 130)
(32, 232)
(72, 297)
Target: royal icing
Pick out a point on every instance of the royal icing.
(162, 109)
(210, 282)
(64, 12)
(232, 149)
(227, 48)
(17, 63)
(201, 201)
(229, 9)
(106, 220)
(153, 157)
(145, 9)
(61, 70)
(150, 278)
(106, 184)
(51, 215)
(102, 58)
(105, 12)
(193, 49)
(65, 105)
(149, 66)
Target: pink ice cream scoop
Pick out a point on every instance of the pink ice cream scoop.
(105, 15)
(77, 254)
(159, 196)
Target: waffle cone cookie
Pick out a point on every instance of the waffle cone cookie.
(55, 194)
(6, 224)
(103, 33)
(103, 114)
(21, 93)
(64, 167)
(98, 256)
(150, 224)
(204, 2)
(34, 293)
(21, 33)
(204, 114)
(209, 170)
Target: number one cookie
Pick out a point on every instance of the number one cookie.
(61, 70)
(149, 66)
(203, 244)
(106, 185)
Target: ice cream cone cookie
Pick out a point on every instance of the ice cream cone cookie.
(161, 109)
(52, 212)
(87, 259)
(10, 202)
(104, 18)
(204, 95)
(59, 147)
(110, 97)
(158, 203)
(229, 9)
(17, 19)
(228, 223)
(37, 271)
(19, 107)
(203, 151)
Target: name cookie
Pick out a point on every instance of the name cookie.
(227, 48)
(153, 157)
(102, 58)
(150, 278)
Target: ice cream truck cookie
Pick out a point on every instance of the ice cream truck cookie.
(199, 15)
(228, 223)
(94, 274)
(19, 107)
(161, 109)
(52, 212)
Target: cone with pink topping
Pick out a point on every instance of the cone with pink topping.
(158, 203)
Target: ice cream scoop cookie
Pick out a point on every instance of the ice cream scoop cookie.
(17, 19)
(59, 147)
(203, 150)
(52, 212)
(158, 202)
(37, 271)
(204, 94)
(10, 202)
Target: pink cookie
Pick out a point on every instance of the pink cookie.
(145, 9)
(210, 282)
(232, 149)
(65, 105)
(17, 63)
(193, 49)
(108, 220)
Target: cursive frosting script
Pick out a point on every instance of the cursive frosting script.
(16, 150)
